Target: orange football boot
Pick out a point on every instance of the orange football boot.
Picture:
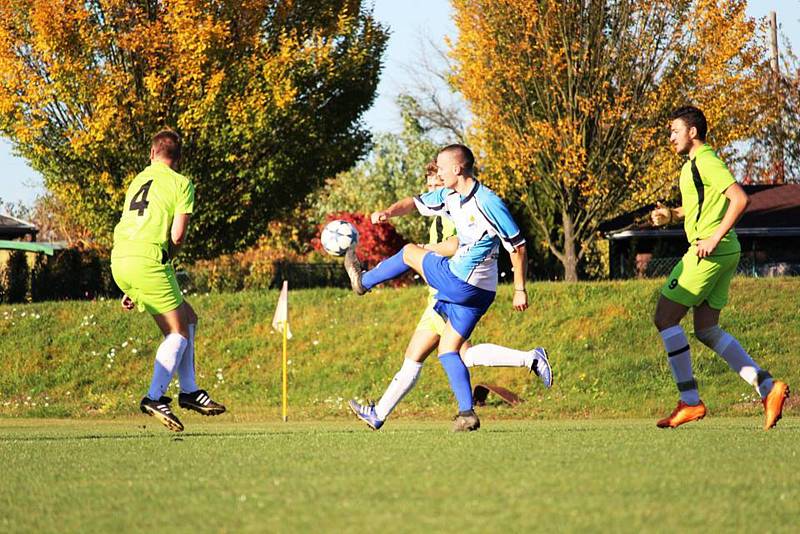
(773, 403)
(683, 413)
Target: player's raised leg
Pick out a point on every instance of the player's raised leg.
(492, 355)
(409, 257)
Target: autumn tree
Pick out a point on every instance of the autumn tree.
(571, 97)
(267, 95)
(775, 152)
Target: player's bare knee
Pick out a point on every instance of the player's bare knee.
(409, 252)
(660, 321)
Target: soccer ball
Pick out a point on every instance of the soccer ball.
(337, 236)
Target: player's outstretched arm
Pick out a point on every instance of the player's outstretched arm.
(519, 261)
(398, 209)
(662, 215)
(446, 248)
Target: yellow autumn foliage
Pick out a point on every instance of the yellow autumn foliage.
(570, 100)
(262, 92)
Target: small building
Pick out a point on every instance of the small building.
(769, 232)
(12, 228)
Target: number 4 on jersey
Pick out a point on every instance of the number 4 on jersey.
(139, 201)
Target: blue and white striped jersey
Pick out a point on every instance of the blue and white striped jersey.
(482, 222)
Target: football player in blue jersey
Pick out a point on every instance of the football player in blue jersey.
(466, 282)
(444, 241)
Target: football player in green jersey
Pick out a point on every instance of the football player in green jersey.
(153, 226)
(711, 203)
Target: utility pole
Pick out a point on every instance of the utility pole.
(779, 172)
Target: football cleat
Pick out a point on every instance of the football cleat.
(160, 410)
(773, 403)
(200, 402)
(353, 268)
(466, 422)
(541, 366)
(366, 413)
(683, 413)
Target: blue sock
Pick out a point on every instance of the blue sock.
(458, 375)
(390, 268)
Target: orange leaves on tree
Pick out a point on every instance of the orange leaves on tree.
(571, 99)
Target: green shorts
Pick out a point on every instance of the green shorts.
(151, 284)
(431, 321)
(696, 280)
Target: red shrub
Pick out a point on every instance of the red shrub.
(375, 241)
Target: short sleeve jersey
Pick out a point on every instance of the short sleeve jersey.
(441, 229)
(482, 223)
(704, 179)
(154, 197)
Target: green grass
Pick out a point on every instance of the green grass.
(717, 475)
(89, 359)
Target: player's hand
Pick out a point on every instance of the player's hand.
(661, 215)
(520, 300)
(379, 217)
(127, 303)
(705, 247)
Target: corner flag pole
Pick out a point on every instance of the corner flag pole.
(280, 322)
(285, 377)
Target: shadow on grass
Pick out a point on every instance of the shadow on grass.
(174, 437)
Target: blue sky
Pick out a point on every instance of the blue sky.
(412, 23)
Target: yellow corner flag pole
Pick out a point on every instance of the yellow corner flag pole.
(285, 377)
(280, 322)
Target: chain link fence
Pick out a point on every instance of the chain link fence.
(649, 267)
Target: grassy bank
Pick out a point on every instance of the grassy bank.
(90, 358)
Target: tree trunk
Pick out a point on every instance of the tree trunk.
(570, 259)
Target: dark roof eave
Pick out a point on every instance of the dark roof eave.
(675, 232)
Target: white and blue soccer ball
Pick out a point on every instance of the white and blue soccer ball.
(338, 236)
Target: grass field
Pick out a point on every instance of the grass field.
(718, 475)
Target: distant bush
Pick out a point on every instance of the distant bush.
(17, 277)
(80, 273)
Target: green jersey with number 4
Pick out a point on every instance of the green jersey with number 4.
(154, 197)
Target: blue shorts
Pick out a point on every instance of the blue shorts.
(457, 301)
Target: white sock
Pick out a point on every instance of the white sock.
(490, 355)
(167, 357)
(401, 384)
(680, 361)
(727, 347)
(186, 373)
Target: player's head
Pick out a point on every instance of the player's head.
(432, 180)
(166, 147)
(454, 161)
(687, 127)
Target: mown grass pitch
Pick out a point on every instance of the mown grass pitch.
(720, 474)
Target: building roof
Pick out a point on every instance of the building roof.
(11, 227)
(774, 210)
(26, 246)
